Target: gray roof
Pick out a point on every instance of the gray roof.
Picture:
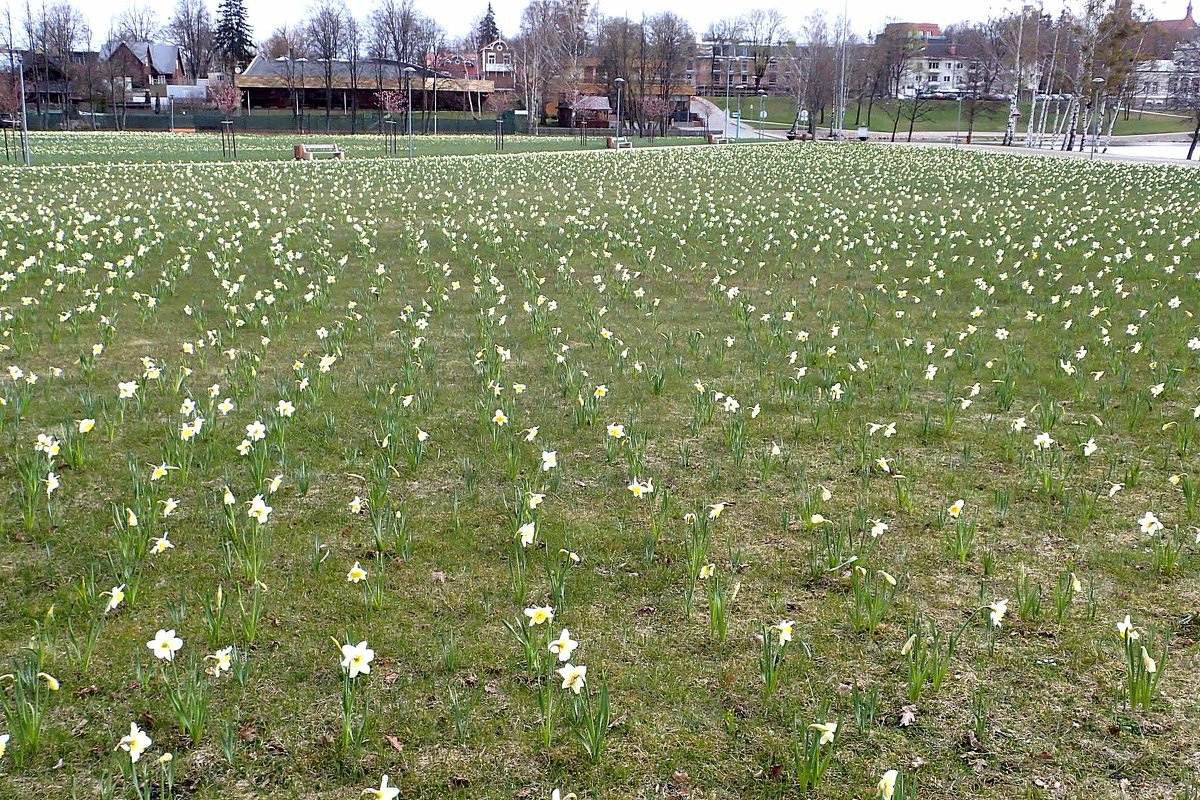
(368, 68)
(160, 57)
(591, 103)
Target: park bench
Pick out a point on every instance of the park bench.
(616, 144)
(310, 152)
(719, 138)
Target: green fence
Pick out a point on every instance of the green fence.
(309, 123)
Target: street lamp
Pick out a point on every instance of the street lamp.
(291, 67)
(409, 71)
(300, 97)
(737, 130)
(762, 108)
(620, 82)
(1097, 82)
(20, 63)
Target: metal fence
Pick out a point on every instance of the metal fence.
(307, 123)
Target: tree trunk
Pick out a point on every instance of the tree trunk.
(896, 120)
(1195, 137)
(912, 120)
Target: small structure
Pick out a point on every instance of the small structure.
(586, 112)
(312, 152)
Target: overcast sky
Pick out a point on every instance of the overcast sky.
(456, 15)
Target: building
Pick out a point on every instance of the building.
(270, 83)
(497, 63)
(1163, 35)
(145, 65)
(936, 65)
(719, 68)
(589, 83)
(1174, 45)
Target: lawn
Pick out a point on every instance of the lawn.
(941, 115)
(892, 440)
(133, 147)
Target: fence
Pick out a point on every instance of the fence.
(308, 123)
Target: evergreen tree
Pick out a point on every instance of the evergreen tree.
(488, 31)
(233, 39)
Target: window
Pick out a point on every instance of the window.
(491, 58)
(945, 79)
(935, 65)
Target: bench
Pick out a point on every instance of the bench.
(310, 152)
(616, 144)
(719, 138)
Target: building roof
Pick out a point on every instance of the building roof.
(161, 58)
(267, 73)
(923, 29)
(1185, 25)
(591, 103)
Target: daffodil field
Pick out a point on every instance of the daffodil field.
(840, 471)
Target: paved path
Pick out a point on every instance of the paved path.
(714, 117)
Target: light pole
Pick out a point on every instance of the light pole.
(291, 74)
(620, 83)
(958, 120)
(24, 122)
(762, 109)
(409, 71)
(737, 129)
(728, 81)
(300, 105)
(1097, 82)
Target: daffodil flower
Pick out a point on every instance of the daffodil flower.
(165, 645)
(136, 742)
(384, 792)
(827, 729)
(573, 677)
(115, 597)
(996, 612)
(539, 614)
(887, 785)
(563, 646)
(357, 658)
(222, 660)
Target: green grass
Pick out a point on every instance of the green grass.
(439, 290)
(942, 116)
(134, 147)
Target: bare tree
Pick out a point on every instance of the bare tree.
(538, 56)
(1184, 87)
(353, 50)
(671, 47)
(326, 36)
(763, 31)
(191, 30)
(138, 23)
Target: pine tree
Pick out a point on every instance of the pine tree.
(488, 31)
(233, 39)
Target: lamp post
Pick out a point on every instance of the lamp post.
(28, 157)
(737, 129)
(762, 108)
(620, 83)
(291, 74)
(1097, 82)
(409, 71)
(958, 120)
(300, 105)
